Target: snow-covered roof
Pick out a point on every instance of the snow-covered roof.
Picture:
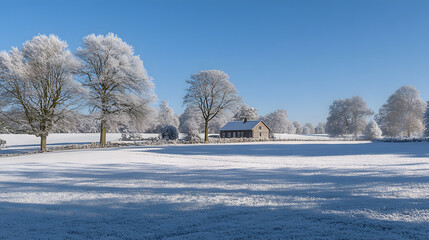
(239, 126)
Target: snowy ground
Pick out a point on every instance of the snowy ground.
(285, 136)
(276, 190)
(21, 143)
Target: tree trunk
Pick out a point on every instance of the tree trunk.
(43, 143)
(103, 133)
(206, 131)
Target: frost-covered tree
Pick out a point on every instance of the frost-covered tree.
(358, 114)
(372, 131)
(3, 119)
(75, 122)
(402, 115)
(338, 121)
(191, 121)
(118, 84)
(246, 112)
(426, 120)
(298, 128)
(278, 122)
(320, 129)
(347, 116)
(219, 121)
(37, 81)
(213, 93)
(308, 128)
(166, 116)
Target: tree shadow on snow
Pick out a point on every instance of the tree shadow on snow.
(147, 201)
(305, 149)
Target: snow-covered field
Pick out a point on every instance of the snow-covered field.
(21, 143)
(275, 190)
(285, 136)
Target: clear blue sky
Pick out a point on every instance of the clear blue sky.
(297, 55)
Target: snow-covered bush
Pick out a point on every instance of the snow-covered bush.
(372, 131)
(169, 132)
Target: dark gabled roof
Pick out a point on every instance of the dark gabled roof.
(241, 126)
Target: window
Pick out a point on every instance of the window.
(260, 128)
(260, 134)
(228, 134)
(233, 134)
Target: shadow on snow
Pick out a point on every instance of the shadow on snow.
(113, 217)
(304, 149)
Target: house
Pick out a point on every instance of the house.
(245, 129)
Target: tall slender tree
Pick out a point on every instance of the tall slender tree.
(118, 83)
(213, 93)
(166, 116)
(37, 83)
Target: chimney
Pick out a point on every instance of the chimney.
(245, 120)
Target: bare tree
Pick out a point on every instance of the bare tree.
(119, 86)
(37, 83)
(213, 93)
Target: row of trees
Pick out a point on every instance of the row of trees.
(44, 86)
(192, 123)
(404, 114)
(43, 83)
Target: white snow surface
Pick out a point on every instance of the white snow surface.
(20, 143)
(273, 190)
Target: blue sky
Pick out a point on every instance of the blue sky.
(295, 55)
